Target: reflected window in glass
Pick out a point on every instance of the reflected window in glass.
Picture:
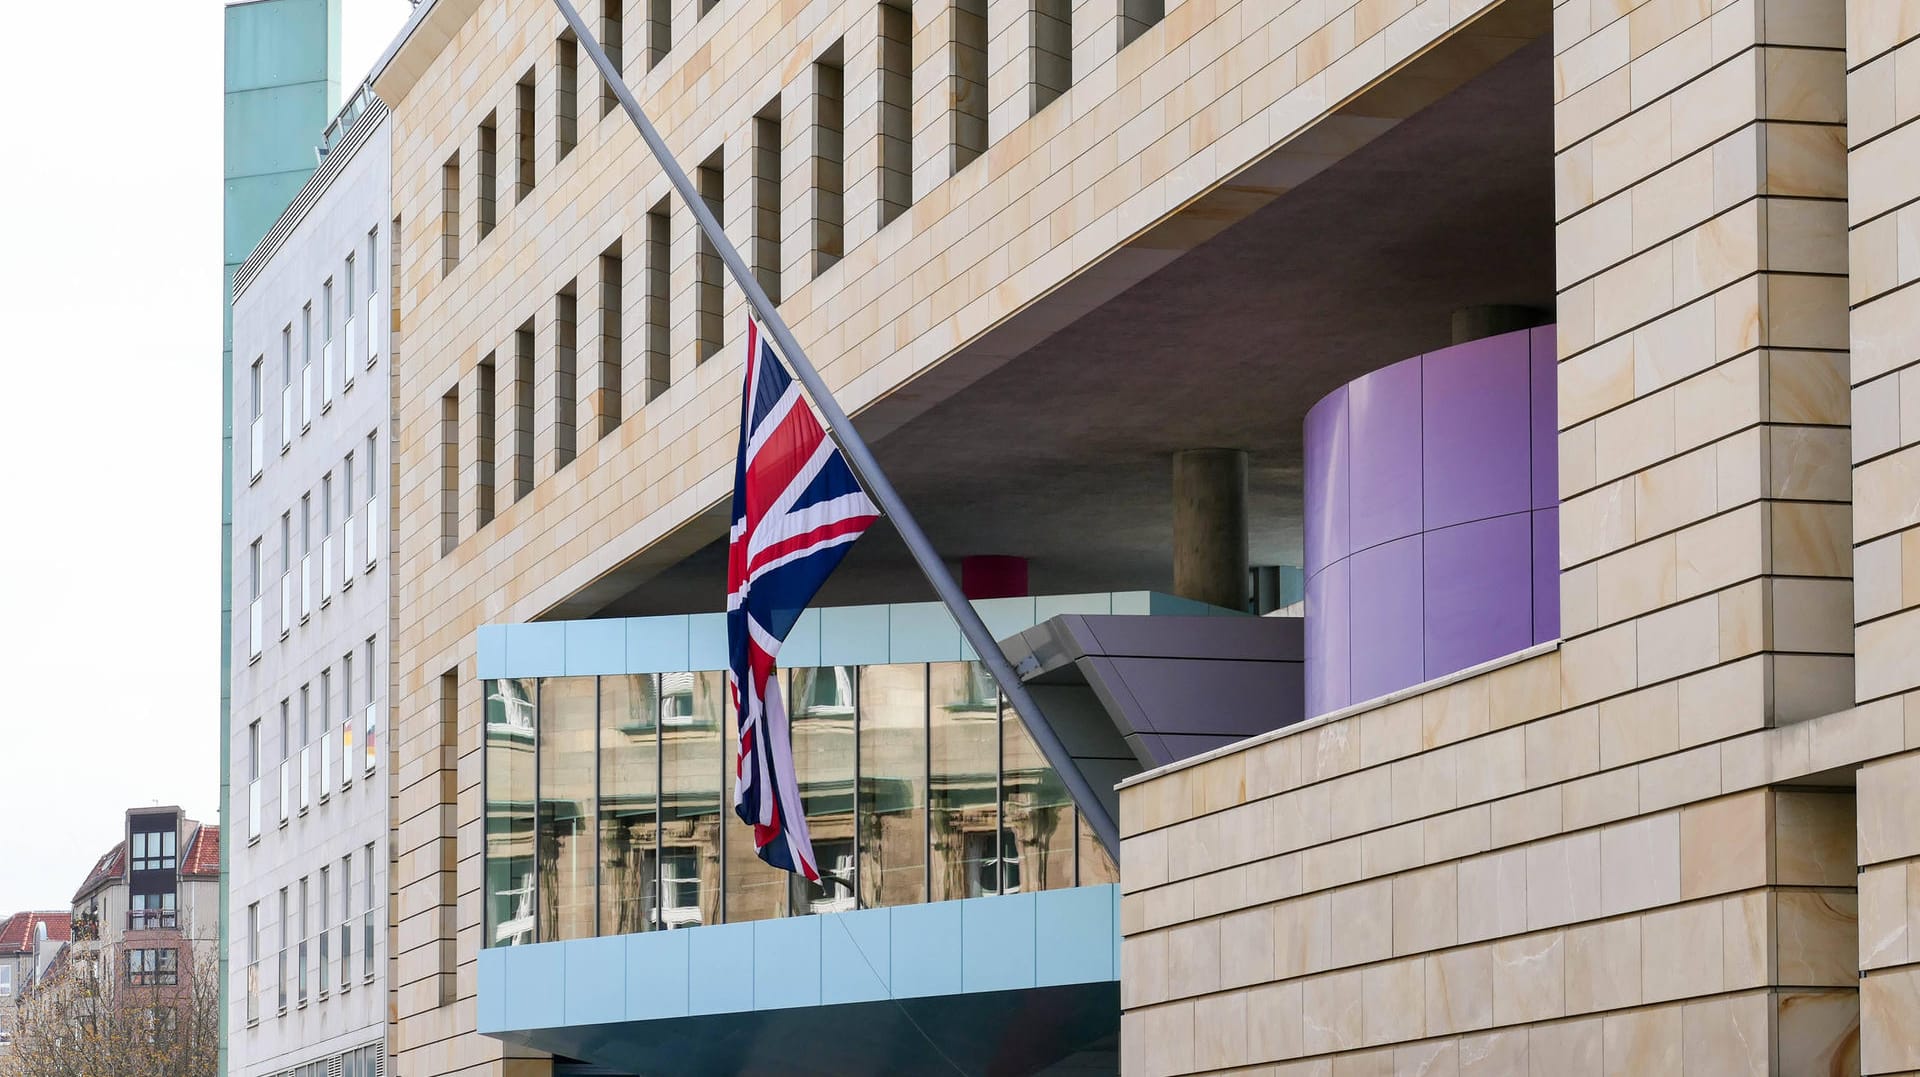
(893, 785)
(962, 789)
(568, 718)
(629, 803)
(510, 723)
(691, 811)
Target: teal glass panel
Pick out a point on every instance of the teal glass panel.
(510, 724)
(964, 760)
(629, 803)
(893, 785)
(691, 717)
(568, 721)
(1037, 839)
(821, 706)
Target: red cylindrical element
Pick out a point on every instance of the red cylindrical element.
(993, 576)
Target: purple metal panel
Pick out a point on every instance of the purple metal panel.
(1475, 442)
(1383, 443)
(1474, 469)
(1479, 592)
(1545, 424)
(1326, 643)
(1546, 574)
(1326, 481)
(1384, 607)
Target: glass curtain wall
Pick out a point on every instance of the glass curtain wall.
(610, 801)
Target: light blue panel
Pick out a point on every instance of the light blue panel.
(1132, 603)
(720, 969)
(1115, 887)
(533, 974)
(854, 635)
(537, 650)
(596, 646)
(1006, 616)
(786, 963)
(656, 974)
(922, 632)
(926, 950)
(1047, 606)
(491, 643)
(657, 644)
(1074, 935)
(596, 980)
(1174, 606)
(802, 648)
(856, 954)
(996, 936)
(707, 641)
(492, 989)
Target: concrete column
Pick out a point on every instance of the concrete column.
(879, 118)
(1210, 526)
(1493, 319)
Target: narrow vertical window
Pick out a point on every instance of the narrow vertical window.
(301, 994)
(659, 30)
(969, 81)
(484, 166)
(523, 137)
(829, 136)
(449, 471)
(522, 405)
(256, 426)
(566, 91)
(710, 179)
(281, 975)
(287, 403)
(1051, 54)
(1137, 15)
(657, 301)
(346, 922)
(308, 389)
(613, 41)
(483, 410)
(253, 570)
(450, 214)
(253, 962)
(895, 175)
(566, 328)
(763, 249)
(326, 917)
(607, 382)
(366, 915)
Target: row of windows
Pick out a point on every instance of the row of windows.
(153, 968)
(153, 850)
(316, 932)
(311, 728)
(339, 359)
(358, 542)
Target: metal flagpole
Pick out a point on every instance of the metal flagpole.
(840, 428)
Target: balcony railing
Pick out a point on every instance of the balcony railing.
(373, 328)
(326, 570)
(151, 919)
(256, 638)
(306, 586)
(353, 349)
(253, 809)
(286, 603)
(257, 446)
(286, 418)
(308, 391)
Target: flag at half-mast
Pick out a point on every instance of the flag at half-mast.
(797, 509)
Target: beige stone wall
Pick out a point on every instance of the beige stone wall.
(1119, 174)
(1883, 63)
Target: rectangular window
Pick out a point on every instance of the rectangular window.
(286, 762)
(893, 785)
(523, 120)
(520, 446)
(763, 195)
(568, 713)
(306, 524)
(1137, 15)
(325, 919)
(254, 387)
(253, 571)
(628, 789)
(659, 31)
(346, 685)
(1051, 51)
(329, 353)
(710, 179)
(484, 404)
(347, 315)
(829, 138)
(253, 750)
(895, 174)
(309, 390)
(346, 491)
(6, 981)
(656, 342)
(366, 915)
(154, 850)
(566, 91)
(613, 33)
(508, 887)
(326, 701)
(450, 215)
(280, 978)
(964, 756)
(484, 165)
(301, 992)
(566, 313)
(376, 316)
(823, 704)
(253, 962)
(287, 404)
(373, 712)
(326, 310)
(153, 968)
(449, 471)
(286, 573)
(969, 82)
(607, 385)
(326, 504)
(346, 922)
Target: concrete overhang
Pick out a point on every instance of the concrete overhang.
(1010, 984)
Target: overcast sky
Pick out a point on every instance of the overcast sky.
(110, 299)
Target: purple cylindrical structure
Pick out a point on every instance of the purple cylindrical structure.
(1432, 518)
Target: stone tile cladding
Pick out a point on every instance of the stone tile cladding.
(1115, 178)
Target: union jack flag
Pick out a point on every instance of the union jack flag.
(797, 508)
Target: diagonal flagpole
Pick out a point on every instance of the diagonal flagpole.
(841, 430)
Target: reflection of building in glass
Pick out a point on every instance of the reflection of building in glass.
(919, 783)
